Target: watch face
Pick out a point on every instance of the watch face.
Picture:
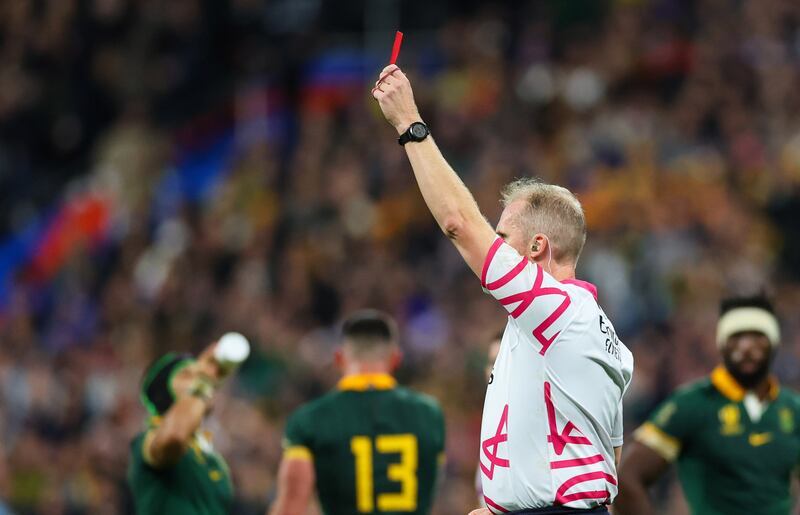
(418, 130)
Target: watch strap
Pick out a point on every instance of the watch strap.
(408, 136)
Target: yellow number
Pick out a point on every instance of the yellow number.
(404, 472)
(362, 449)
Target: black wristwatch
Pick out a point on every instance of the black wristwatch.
(417, 131)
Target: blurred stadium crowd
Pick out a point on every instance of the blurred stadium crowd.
(173, 170)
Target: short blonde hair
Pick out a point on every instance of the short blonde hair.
(553, 211)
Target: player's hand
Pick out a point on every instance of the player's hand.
(204, 371)
(481, 511)
(393, 92)
(206, 365)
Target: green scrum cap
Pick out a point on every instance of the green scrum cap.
(157, 394)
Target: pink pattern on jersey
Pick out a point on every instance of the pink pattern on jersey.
(591, 288)
(488, 261)
(493, 505)
(561, 498)
(560, 440)
(494, 442)
(526, 298)
(576, 462)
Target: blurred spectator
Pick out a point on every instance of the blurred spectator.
(230, 172)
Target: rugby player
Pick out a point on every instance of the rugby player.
(370, 446)
(734, 435)
(173, 467)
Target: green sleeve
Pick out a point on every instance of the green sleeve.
(136, 457)
(670, 426)
(138, 454)
(440, 428)
(297, 439)
(787, 420)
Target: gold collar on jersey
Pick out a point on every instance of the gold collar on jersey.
(727, 385)
(363, 382)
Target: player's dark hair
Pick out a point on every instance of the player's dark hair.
(369, 328)
(157, 395)
(755, 301)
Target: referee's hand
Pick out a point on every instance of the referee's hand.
(394, 95)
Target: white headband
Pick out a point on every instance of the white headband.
(748, 319)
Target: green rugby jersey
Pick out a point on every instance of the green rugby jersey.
(728, 463)
(375, 446)
(199, 484)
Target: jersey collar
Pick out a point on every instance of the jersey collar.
(363, 382)
(727, 385)
(591, 288)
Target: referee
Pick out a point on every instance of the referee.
(734, 434)
(552, 420)
(173, 468)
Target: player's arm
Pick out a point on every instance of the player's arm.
(194, 387)
(448, 199)
(617, 456)
(640, 469)
(164, 445)
(295, 486)
(657, 443)
(296, 476)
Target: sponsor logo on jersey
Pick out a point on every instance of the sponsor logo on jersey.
(786, 420)
(730, 417)
(759, 439)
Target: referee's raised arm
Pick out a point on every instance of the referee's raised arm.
(448, 199)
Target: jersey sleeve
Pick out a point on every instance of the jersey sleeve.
(539, 303)
(617, 431)
(669, 427)
(137, 456)
(139, 451)
(440, 431)
(297, 439)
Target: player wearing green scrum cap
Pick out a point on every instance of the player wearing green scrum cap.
(173, 468)
(734, 435)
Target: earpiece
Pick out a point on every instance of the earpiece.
(535, 248)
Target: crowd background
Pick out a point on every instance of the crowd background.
(173, 170)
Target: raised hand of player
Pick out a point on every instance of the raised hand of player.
(394, 95)
(207, 366)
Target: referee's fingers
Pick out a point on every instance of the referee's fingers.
(390, 69)
(398, 75)
(384, 77)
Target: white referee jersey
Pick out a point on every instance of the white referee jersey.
(553, 409)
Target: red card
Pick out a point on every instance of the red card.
(398, 40)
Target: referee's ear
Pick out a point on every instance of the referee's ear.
(539, 246)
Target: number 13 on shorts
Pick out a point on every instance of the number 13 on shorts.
(403, 472)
